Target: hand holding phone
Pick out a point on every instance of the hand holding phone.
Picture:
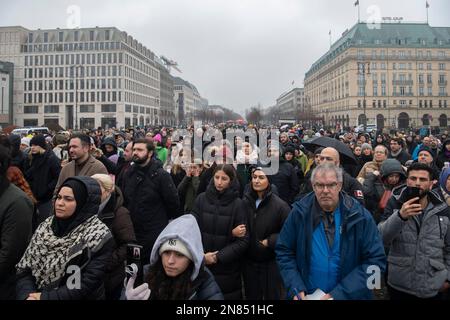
(134, 268)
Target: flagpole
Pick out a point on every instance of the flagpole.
(427, 13)
(359, 12)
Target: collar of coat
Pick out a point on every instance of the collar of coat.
(351, 209)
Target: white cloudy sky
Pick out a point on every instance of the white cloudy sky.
(237, 52)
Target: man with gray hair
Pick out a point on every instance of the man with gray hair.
(329, 242)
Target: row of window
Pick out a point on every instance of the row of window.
(72, 72)
(90, 108)
(71, 59)
(69, 97)
(76, 36)
(422, 103)
(69, 47)
(82, 84)
(402, 54)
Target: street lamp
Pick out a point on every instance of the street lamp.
(363, 69)
(76, 93)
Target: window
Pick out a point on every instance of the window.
(430, 91)
(127, 108)
(421, 91)
(76, 36)
(91, 36)
(394, 66)
(430, 78)
(420, 104)
(384, 104)
(429, 66)
(61, 36)
(90, 108)
(421, 78)
(108, 107)
(51, 109)
(30, 122)
(375, 91)
(442, 92)
(46, 37)
(30, 37)
(31, 109)
(441, 66)
(107, 35)
(420, 66)
(383, 91)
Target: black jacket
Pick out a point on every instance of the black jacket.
(92, 263)
(118, 220)
(152, 199)
(264, 222)
(16, 212)
(402, 157)
(42, 173)
(217, 215)
(286, 181)
(442, 158)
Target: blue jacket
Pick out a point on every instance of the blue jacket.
(361, 247)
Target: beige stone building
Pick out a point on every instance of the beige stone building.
(400, 71)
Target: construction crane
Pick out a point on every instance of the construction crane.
(170, 64)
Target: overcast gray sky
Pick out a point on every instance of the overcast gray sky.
(237, 52)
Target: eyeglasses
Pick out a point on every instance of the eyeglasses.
(331, 186)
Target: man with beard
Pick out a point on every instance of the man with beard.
(416, 229)
(150, 196)
(82, 163)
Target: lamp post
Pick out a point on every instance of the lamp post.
(363, 69)
(76, 94)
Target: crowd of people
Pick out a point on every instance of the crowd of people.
(223, 227)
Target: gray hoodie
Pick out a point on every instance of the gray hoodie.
(184, 228)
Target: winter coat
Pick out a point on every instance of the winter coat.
(91, 167)
(286, 181)
(112, 156)
(444, 155)
(375, 186)
(262, 279)
(92, 262)
(217, 215)
(419, 255)
(117, 219)
(16, 213)
(264, 222)
(361, 248)
(402, 157)
(152, 199)
(42, 173)
(187, 191)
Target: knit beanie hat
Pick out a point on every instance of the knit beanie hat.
(427, 149)
(175, 245)
(39, 140)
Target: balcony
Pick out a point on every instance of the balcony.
(443, 83)
(403, 95)
(402, 82)
(445, 94)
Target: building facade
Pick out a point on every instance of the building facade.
(187, 99)
(81, 78)
(395, 76)
(6, 93)
(291, 104)
(167, 114)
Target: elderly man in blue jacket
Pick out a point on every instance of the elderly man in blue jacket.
(330, 242)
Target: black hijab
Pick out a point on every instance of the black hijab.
(62, 227)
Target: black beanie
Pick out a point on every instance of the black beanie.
(39, 140)
(427, 149)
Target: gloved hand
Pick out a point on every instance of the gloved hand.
(139, 293)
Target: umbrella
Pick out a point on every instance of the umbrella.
(345, 152)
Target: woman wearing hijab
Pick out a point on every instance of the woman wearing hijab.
(177, 270)
(68, 254)
(444, 182)
(266, 214)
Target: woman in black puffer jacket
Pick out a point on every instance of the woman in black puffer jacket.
(219, 211)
